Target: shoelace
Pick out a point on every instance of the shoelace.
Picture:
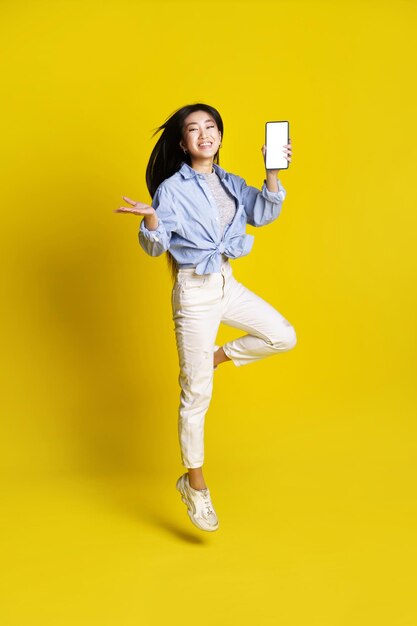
(207, 502)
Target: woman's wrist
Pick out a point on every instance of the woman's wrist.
(151, 221)
(272, 180)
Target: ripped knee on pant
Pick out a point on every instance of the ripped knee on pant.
(196, 371)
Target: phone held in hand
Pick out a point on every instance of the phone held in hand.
(277, 135)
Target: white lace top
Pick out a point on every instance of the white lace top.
(224, 200)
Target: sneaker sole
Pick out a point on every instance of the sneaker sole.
(190, 515)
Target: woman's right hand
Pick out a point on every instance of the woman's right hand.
(137, 208)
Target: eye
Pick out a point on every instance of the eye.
(210, 126)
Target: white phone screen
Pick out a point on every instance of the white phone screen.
(276, 136)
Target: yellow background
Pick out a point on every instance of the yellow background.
(310, 455)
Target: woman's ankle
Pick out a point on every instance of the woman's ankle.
(219, 356)
(196, 479)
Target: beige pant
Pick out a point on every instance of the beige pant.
(199, 304)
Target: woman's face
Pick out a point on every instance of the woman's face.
(200, 135)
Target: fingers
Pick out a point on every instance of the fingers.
(123, 209)
(129, 200)
(287, 150)
(138, 208)
(137, 204)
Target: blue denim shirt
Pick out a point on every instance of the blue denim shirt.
(188, 220)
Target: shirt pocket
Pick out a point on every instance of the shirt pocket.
(187, 291)
(196, 292)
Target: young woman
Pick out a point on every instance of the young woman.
(198, 216)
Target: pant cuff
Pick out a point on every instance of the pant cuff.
(227, 353)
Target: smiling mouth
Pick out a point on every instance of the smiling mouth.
(205, 144)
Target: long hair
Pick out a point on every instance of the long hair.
(167, 156)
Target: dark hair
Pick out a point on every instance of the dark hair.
(167, 155)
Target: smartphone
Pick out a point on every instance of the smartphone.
(277, 135)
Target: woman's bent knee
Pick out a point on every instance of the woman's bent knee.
(287, 341)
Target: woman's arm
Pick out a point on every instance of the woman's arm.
(158, 223)
(155, 230)
(263, 206)
(271, 181)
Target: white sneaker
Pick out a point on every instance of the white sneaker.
(200, 509)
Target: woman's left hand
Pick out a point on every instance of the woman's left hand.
(287, 151)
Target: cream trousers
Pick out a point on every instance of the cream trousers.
(199, 304)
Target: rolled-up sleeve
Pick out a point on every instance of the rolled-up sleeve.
(156, 242)
(262, 206)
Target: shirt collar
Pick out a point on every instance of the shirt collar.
(188, 172)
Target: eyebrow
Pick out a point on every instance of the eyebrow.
(189, 123)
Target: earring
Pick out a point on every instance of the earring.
(184, 150)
